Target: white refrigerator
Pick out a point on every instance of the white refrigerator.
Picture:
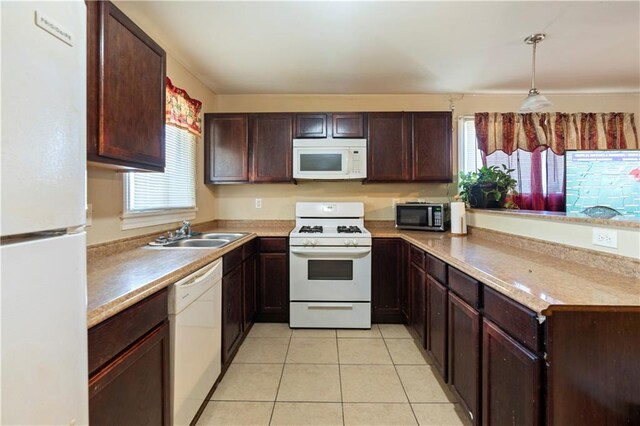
(43, 299)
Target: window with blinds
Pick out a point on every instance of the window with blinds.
(551, 165)
(160, 194)
(470, 159)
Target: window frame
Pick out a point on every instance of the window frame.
(133, 219)
(462, 149)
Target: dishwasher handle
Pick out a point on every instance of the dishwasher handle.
(190, 288)
(197, 277)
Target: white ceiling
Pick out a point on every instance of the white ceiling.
(398, 47)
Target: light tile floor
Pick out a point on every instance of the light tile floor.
(327, 377)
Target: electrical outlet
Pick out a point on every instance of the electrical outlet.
(258, 203)
(605, 238)
(89, 215)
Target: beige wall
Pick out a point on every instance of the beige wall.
(238, 201)
(104, 187)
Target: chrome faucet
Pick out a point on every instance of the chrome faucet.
(185, 229)
(183, 232)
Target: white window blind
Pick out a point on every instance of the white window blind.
(470, 158)
(159, 194)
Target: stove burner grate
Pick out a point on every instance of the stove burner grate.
(349, 230)
(311, 230)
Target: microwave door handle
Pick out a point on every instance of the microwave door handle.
(347, 162)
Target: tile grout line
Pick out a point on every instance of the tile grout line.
(400, 379)
(340, 378)
(284, 363)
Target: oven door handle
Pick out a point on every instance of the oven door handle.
(319, 252)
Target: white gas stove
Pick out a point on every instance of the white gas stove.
(330, 267)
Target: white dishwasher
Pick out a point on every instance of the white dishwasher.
(195, 315)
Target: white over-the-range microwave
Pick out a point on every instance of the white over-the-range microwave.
(329, 159)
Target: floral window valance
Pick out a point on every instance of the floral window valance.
(182, 111)
(508, 132)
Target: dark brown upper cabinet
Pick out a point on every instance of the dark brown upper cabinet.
(125, 92)
(409, 147)
(246, 148)
(348, 125)
(311, 126)
(389, 155)
(432, 147)
(271, 146)
(327, 125)
(226, 149)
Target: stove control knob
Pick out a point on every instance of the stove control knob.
(354, 243)
(347, 242)
(305, 242)
(314, 242)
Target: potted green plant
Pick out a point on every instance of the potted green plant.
(488, 188)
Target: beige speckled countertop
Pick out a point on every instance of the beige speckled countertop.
(118, 280)
(537, 280)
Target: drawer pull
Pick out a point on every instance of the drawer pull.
(329, 306)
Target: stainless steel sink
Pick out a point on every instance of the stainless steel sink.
(199, 243)
(209, 240)
(223, 236)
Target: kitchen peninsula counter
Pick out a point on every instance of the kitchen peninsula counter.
(118, 279)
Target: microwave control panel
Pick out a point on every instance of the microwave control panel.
(355, 161)
(437, 216)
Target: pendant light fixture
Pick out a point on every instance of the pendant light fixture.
(534, 102)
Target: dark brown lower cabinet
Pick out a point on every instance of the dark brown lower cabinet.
(464, 355)
(593, 373)
(418, 302)
(250, 267)
(273, 281)
(134, 387)
(511, 380)
(405, 297)
(232, 312)
(386, 280)
(437, 324)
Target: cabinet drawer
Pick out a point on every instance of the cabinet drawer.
(465, 287)
(249, 249)
(330, 315)
(231, 260)
(111, 337)
(418, 257)
(520, 322)
(437, 269)
(273, 245)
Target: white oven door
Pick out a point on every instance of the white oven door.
(320, 163)
(330, 274)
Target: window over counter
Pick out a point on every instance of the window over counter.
(159, 198)
(540, 174)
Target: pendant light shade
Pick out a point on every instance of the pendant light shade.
(534, 102)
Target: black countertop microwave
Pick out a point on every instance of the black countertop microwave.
(423, 216)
